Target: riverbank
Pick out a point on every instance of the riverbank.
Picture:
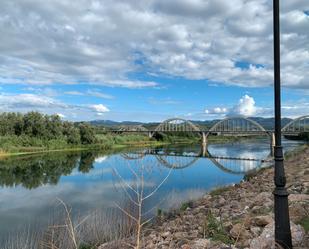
(4, 154)
(239, 216)
(118, 142)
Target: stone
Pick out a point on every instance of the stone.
(228, 226)
(238, 231)
(262, 220)
(298, 197)
(266, 239)
(201, 244)
(256, 231)
(166, 234)
(186, 246)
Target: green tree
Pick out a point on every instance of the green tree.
(54, 126)
(71, 133)
(35, 124)
(87, 135)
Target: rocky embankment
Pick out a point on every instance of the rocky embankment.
(239, 216)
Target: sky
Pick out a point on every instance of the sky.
(151, 60)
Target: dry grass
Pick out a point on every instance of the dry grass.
(68, 231)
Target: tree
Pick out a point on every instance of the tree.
(34, 124)
(54, 126)
(138, 193)
(87, 135)
(71, 133)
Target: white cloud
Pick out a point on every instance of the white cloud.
(102, 43)
(100, 109)
(61, 115)
(217, 110)
(76, 93)
(28, 101)
(245, 107)
(35, 102)
(101, 159)
(90, 92)
(98, 94)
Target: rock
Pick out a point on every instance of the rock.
(298, 234)
(239, 231)
(180, 235)
(186, 246)
(227, 226)
(266, 239)
(256, 231)
(262, 198)
(201, 244)
(298, 197)
(297, 211)
(262, 220)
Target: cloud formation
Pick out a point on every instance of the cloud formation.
(102, 43)
(49, 105)
(100, 109)
(245, 107)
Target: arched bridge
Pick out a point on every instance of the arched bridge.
(177, 125)
(230, 126)
(297, 126)
(174, 160)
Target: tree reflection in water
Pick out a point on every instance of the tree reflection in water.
(34, 171)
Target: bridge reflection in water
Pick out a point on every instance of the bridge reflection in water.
(181, 160)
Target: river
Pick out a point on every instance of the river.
(31, 186)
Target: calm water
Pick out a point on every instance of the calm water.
(30, 185)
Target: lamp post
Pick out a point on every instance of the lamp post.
(281, 206)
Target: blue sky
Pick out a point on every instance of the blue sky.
(148, 61)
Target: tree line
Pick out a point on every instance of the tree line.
(34, 125)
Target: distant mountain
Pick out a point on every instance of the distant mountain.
(267, 123)
(113, 123)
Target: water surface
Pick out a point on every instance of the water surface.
(92, 180)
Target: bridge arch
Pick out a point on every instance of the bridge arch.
(172, 163)
(236, 167)
(236, 124)
(300, 124)
(177, 124)
(132, 156)
(131, 128)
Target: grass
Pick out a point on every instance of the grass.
(219, 191)
(305, 223)
(214, 229)
(296, 151)
(185, 205)
(84, 246)
(107, 143)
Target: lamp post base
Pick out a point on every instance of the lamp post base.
(281, 204)
(282, 219)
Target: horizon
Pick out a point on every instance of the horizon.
(147, 62)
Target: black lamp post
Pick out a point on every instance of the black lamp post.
(281, 207)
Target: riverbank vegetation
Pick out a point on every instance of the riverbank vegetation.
(34, 131)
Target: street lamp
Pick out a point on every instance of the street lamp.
(281, 206)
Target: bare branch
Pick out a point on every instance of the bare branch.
(161, 183)
(128, 214)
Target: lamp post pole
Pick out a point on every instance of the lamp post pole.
(281, 206)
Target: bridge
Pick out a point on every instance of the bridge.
(230, 126)
(174, 160)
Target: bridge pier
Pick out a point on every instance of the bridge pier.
(272, 143)
(150, 134)
(204, 145)
(204, 139)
